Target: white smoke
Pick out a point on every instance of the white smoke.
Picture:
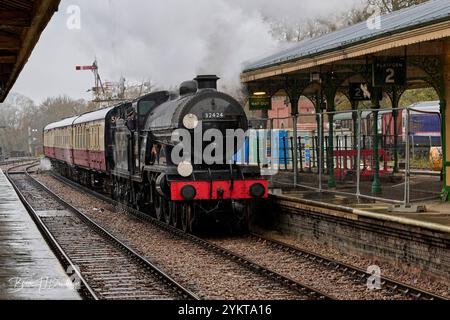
(45, 165)
(167, 41)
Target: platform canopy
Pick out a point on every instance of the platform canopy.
(21, 24)
(407, 49)
(398, 30)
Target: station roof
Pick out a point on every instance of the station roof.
(425, 22)
(21, 24)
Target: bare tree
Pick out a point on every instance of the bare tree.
(394, 5)
(290, 31)
(23, 121)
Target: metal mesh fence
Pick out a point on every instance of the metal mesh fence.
(374, 154)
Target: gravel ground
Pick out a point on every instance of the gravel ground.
(331, 282)
(207, 274)
(396, 272)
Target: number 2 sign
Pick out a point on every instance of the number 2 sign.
(389, 71)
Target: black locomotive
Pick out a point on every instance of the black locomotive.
(141, 140)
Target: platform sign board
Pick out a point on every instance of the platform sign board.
(390, 71)
(360, 92)
(260, 103)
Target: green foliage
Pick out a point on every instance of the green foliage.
(418, 95)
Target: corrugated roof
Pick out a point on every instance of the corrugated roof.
(406, 19)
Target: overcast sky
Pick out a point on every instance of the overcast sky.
(167, 41)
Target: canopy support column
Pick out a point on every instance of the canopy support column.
(445, 115)
(376, 186)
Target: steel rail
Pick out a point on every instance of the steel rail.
(185, 293)
(355, 272)
(85, 290)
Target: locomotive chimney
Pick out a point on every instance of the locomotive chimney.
(207, 81)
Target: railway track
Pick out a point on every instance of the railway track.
(289, 258)
(390, 287)
(298, 289)
(357, 273)
(106, 267)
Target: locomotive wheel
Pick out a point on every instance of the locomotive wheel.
(157, 203)
(241, 217)
(175, 214)
(166, 210)
(114, 190)
(187, 217)
(142, 200)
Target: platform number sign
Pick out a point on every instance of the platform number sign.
(389, 72)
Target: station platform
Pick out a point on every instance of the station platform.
(28, 268)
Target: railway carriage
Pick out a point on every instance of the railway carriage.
(127, 150)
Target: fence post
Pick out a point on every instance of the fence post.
(395, 117)
(258, 147)
(408, 157)
(358, 157)
(376, 186)
(313, 153)
(331, 178)
(326, 153)
(320, 154)
(346, 150)
(295, 147)
(355, 138)
(301, 153)
(285, 152)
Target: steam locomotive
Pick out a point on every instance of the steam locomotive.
(128, 151)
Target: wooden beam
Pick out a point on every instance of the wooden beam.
(41, 15)
(8, 59)
(9, 42)
(15, 18)
(6, 68)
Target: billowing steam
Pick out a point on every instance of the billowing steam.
(45, 165)
(167, 41)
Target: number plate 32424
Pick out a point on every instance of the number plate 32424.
(213, 115)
